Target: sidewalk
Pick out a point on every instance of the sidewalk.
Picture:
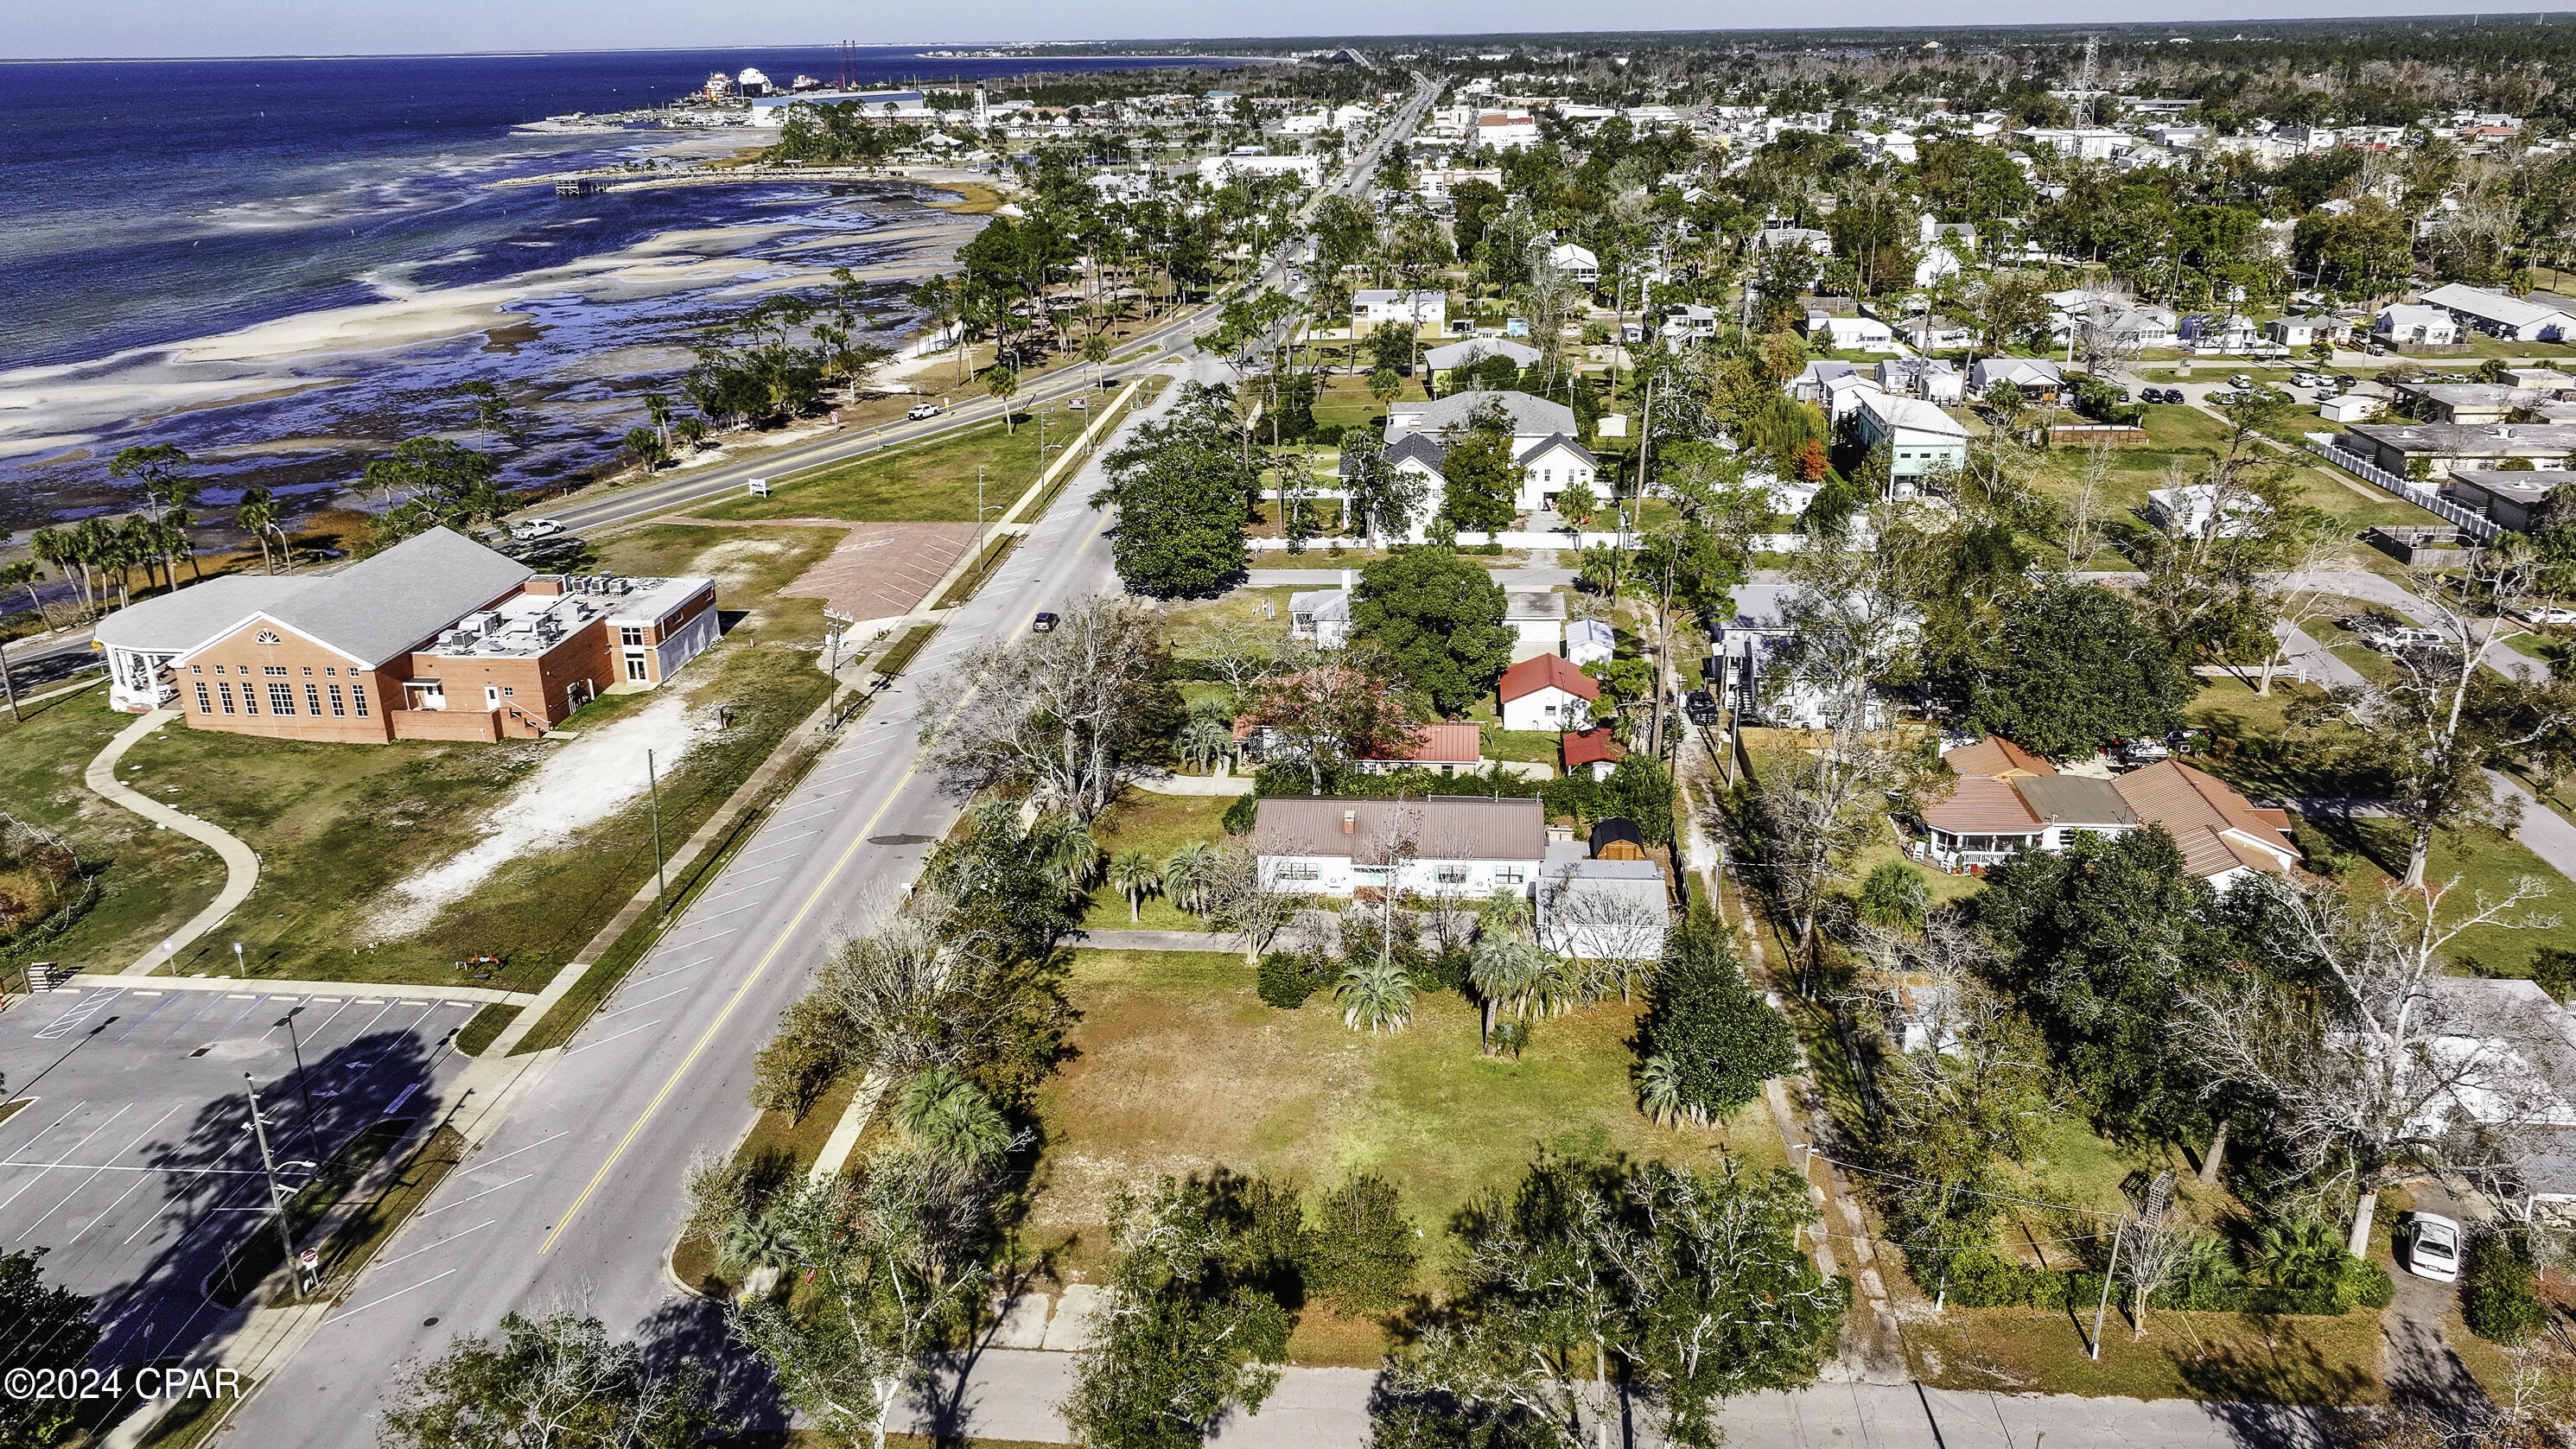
(241, 863)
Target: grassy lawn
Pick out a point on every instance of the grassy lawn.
(1156, 825)
(1180, 1067)
(749, 565)
(337, 825)
(2481, 864)
(1542, 747)
(2221, 1356)
(785, 1142)
(150, 880)
(932, 483)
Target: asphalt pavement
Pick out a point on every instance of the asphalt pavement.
(132, 1163)
(575, 1198)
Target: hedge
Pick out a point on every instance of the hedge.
(2498, 1291)
(1982, 1279)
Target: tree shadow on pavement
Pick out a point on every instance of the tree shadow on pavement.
(692, 1332)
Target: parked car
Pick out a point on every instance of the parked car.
(2240, 382)
(2433, 1247)
(2144, 752)
(1701, 706)
(1043, 623)
(535, 528)
(922, 410)
(2398, 641)
(2550, 614)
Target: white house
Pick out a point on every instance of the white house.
(1321, 616)
(1216, 171)
(1547, 693)
(1536, 618)
(2038, 377)
(1602, 910)
(1577, 263)
(1455, 355)
(2200, 508)
(2499, 315)
(1928, 378)
(1866, 333)
(2402, 325)
(1807, 238)
(2307, 331)
(1506, 130)
(1462, 848)
(1589, 641)
(1543, 444)
(1813, 381)
(2221, 332)
(1426, 308)
(1920, 438)
(1690, 322)
(1947, 251)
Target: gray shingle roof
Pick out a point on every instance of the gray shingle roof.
(1532, 417)
(1557, 440)
(400, 599)
(176, 622)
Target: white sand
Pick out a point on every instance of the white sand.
(585, 781)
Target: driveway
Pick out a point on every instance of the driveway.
(2416, 1360)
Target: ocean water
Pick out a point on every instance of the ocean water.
(282, 265)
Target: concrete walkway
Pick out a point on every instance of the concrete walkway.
(1001, 1393)
(1195, 784)
(241, 863)
(1226, 941)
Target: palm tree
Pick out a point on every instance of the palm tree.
(1204, 742)
(1659, 1092)
(753, 1240)
(658, 408)
(1504, 967)
(1895, 897)
(1095, 350)
(1376, 996)
(943, 1111)
(257, 512)
(1133, 874)
(1190, 874)
(23, 575)
(1513, 1037)
(646, 445)
(1066, 852)
(54, 546)
(1003, 384)
(691, 431)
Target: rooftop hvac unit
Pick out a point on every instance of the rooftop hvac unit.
(489, 621)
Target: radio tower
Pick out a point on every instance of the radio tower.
(849, 77)
(2084, 83)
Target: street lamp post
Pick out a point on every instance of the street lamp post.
(276, 1194)
(661, 885)
(302, 1089)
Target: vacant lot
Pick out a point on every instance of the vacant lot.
(749, 565)
(932, 483)
(1180, 1067)
(150, 880)
(2223, 1356)
(1156, 825)
(337, 825)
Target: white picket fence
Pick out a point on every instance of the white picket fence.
(2422, 495)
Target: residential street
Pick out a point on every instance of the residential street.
(575, 1200)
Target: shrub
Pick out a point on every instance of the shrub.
(1361, 1251)
(1289, 977)
(1240, 815)
(2498, 1290)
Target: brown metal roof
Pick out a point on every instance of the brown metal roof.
(2200, 811)
(1444, 829)
(1545, 671)
(1995, 757)
(1979, 806)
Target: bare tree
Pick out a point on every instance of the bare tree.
(2443, 718)
(2371, 1069)
(1240, 898)
(1057, 715)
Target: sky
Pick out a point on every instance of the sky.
(337, 27)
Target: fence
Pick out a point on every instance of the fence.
(2422, 495)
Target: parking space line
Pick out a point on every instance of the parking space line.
(603, 1041)
(44, 1167)
(648, 1001)
(462, 1201)
(441, 1243)
(390, 1297)
(515, 1151)
(95, 1171)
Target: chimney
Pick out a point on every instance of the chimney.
(1350, 822)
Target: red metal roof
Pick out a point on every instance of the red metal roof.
(1591, 747)
(1450, 742)
(1547, 671)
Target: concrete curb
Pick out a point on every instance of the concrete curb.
(351, 990)
(241, 863)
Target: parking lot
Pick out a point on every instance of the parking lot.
(127, 1151)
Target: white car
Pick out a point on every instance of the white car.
(2550, 614)
(2433, 1248)
(2398, 641)
(2241, 383)
(535, 528)
(922, 410)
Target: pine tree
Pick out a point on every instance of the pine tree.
(1710, 1041)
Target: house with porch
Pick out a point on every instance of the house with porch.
(1543, 445)
(437, 637)
(1464, 849)
(1546, 693)
(2028, 805)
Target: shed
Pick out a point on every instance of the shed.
(1617, 840)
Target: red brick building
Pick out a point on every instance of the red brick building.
(437, 637)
